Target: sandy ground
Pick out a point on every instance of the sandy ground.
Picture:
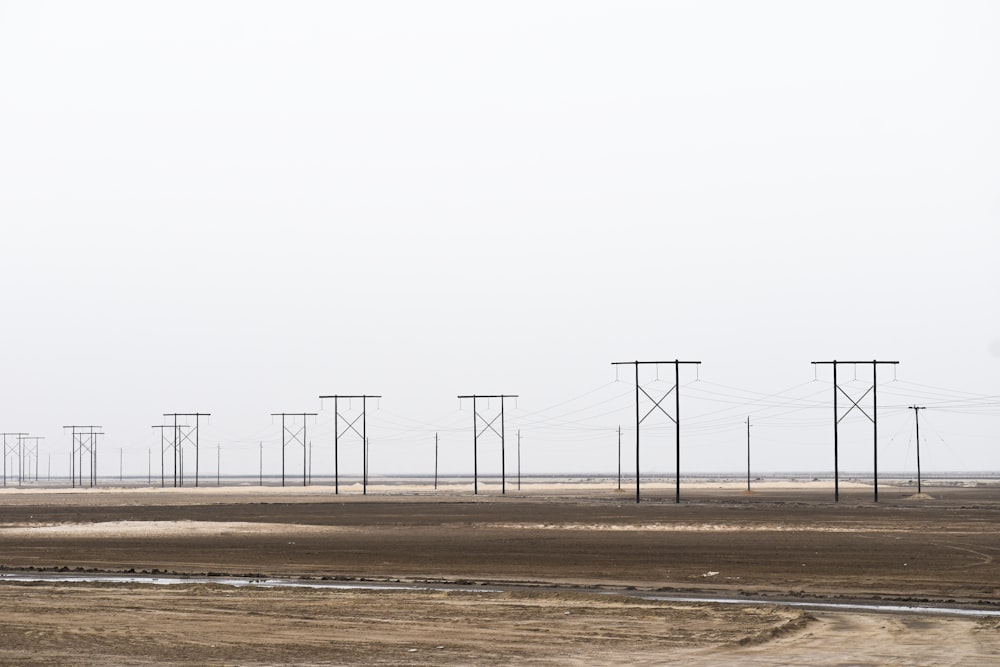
(561, 554)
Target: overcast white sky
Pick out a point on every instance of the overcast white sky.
(234, 207)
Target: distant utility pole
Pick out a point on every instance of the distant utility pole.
(350, 427)
(619, 458)
(288, 437)
(748, 452)
(837, 417)
(165, 445)
(916, 415)
(10, 449)
(29, 450)
(183, 437)
(84, 440)
(676, 389)
(518, 459)
(475, 438)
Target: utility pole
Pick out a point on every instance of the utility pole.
(916, 415)
(748, 453)
(84, 440)
(619, 458)
(676, 419)
(288, 437)
(518, 459)
(9, 450)
(476, 418)
(873, 418)
(350, 427)
(435, 461)
(168, 444)
(186, 437)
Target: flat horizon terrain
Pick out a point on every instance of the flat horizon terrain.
(554, 574)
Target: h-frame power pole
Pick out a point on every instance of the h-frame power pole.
(837, 417)
(298, 436)
(170, 444)
(28, 445)
(676, 419)
(10, 449)
(182, 436)
(350, 427)
(84, 440)
(476, 418)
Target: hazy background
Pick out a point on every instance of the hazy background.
(234, 207)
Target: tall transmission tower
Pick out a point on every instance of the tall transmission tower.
(657, 405)
(476, 418)
(916, 415)
(299, 436)
(855, 404)
(190, 436)
(84, 442)
(337, 434)
(10, 449)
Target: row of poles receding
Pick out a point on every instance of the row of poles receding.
(84, 438)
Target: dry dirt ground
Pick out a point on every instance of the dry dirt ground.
(563, 571)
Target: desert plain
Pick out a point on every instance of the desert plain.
(552, 574)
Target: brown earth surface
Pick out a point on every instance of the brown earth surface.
(564, 569)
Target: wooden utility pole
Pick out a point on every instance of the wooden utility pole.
(916, 415)
(873, 418)
(748, 453)
(676, 419)
(476, 418)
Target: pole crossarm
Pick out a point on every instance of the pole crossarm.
(476, 433)
(838, 417)
(676, 419)
(337, 434)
